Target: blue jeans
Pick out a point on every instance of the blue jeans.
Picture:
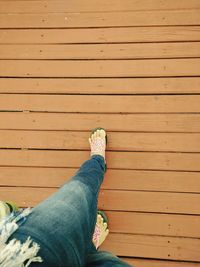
(64, 223)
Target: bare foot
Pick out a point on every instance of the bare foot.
(98, 143)
(101, 232)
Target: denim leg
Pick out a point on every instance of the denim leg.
(104, 259)
(64, 223)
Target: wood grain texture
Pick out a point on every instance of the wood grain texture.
(153, 224)
(165, 85)
(88, 6)
(101, 104)
(166, 123)
(100, 68)
(115, 160)
(114, 179)
(100, 35)
(101, 51)
(153, 247)
(73, 140)
(131, 67)
(101, 19)
(180, 203)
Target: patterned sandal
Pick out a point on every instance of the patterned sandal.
(100, 232)
(93, 131)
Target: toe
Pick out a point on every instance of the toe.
(98, 133)
(105, 225)
(106, 232)
(99, 219)
(102, 134)
(101, 222)
(93, 137)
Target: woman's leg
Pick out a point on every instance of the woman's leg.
(63, 224)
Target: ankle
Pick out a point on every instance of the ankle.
(102, 154)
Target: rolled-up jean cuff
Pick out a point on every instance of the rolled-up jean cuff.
(101, 160)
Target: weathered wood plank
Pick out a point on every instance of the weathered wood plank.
(101, 104)
(111, 122)
(121, 141)
(153, 224)
(153, 247)
(115, 160)
(101, 51)
(88, 6)
(181, 203)
(180, 85)
(160, 202)
(100, 35)
(132, 179)
(101, 19)
(100, 68)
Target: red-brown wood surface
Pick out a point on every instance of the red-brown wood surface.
(132, 67)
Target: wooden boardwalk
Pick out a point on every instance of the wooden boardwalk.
(131, 67)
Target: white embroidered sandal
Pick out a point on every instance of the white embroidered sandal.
(99, 145)
(100, 233)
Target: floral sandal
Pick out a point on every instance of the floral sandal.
(99, 146)
(101, 229)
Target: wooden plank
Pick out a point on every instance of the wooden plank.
(88, 6)
(101, 104)
(152, 180)
(111, 122)
(101, 35)
(101, 19)
(153, 224)
(163, 202)
(100, 68)
(180, 85)
(115, 160)
(132, 179)
(121, 141)
(101, 51)
(158, 263)
(154, 247)
(115, 200)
